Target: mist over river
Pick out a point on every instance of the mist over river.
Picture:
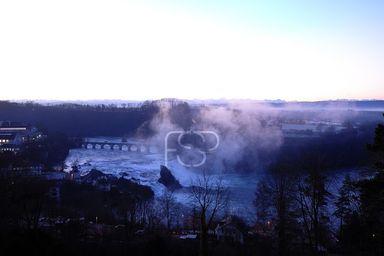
(144, 168)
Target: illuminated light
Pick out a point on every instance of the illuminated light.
(12, 129)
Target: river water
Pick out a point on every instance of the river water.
(144, 168)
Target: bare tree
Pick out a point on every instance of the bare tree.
(274, 202)
(153, 216)
(148, 214)
(312, 197)
(168, 207)
(210, 196)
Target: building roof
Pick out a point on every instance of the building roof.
(9, 125)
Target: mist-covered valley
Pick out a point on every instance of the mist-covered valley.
(127, 173)
(253, 139)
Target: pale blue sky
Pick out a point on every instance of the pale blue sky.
(148, 49)
(348, 17)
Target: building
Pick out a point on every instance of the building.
(228, 231)
(14, 134)
(10, 142)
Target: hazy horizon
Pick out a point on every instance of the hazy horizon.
(189, 100)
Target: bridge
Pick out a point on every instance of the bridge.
(124, 146)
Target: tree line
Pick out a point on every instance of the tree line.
(80, 120)
(295, 209)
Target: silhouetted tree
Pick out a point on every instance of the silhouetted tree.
(274, 203)
(210, 196)
(378, 147)
(263, 203)
(168, 207)
(312, 198)
(372, 200)
(347, 202)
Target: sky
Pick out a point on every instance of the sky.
(200, 49)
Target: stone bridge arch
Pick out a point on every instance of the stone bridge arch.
(129, 147)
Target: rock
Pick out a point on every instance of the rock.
(130, 187)
(95, 176)
(167, 179)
